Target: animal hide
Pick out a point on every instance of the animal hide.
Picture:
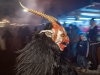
(42, 57)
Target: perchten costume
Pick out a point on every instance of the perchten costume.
(43, 55)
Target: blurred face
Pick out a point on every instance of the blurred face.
(92, 22)
(82, 37)
(70, 27)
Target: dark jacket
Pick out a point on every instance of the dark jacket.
(73, 35)
(82, 48)
(93, 34)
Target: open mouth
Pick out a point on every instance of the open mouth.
(64, 44)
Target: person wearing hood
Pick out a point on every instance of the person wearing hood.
(82, 51)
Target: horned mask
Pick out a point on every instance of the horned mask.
(57, 33)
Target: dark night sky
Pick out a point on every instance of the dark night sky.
(64, 6)
(55, 8)
(59, 8)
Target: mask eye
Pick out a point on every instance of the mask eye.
(62, 35)
(49, 34)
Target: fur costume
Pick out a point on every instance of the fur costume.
(43, 55)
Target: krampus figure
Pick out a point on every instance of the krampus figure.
(43, 55)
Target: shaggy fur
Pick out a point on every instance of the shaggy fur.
(43, 57)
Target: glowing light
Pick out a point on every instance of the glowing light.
(78, 21)
(2, 22)
(6, 21)
(71, 18)
(61, 22)
(90, 10)
(84, 18)
(96, 19)
(90, 14)
(71, 21)
(25, 10)
(87, 19)
(68, 22)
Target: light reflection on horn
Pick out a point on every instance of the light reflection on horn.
(49, 18)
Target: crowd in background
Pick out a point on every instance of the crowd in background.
(81, 49)
(12, 40)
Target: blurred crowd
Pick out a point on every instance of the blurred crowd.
(12, 40)
(83, 47)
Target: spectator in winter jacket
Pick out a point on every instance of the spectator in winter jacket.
(74, 38)
(92, 37)
(82, 51)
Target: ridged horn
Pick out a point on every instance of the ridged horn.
(49, 18)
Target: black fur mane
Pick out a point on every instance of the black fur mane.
(48, 26)
(37, 58)
(42, 57)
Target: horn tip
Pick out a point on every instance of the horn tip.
(20, 2)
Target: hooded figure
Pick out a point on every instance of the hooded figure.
(42, 56)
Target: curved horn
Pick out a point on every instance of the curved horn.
(49, 18)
